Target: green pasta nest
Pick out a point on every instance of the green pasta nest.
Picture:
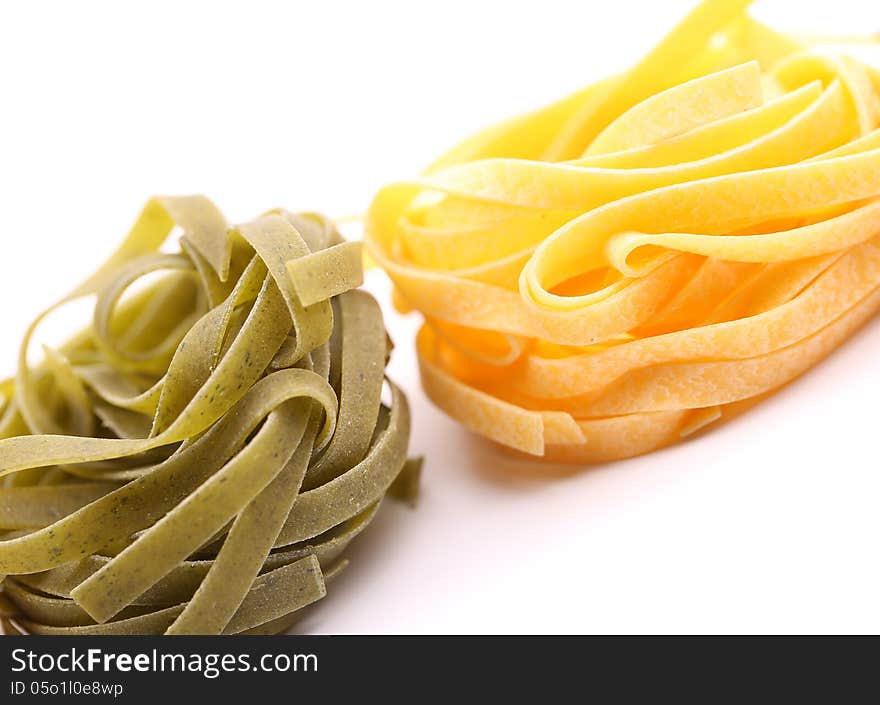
(197, 460)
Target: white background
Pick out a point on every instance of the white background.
(768, 524)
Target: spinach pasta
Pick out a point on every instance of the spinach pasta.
(198, 458)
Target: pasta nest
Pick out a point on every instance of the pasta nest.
(650, 255)
(197, 459)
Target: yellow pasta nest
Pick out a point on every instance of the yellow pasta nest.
(198, 458)
(610, 273)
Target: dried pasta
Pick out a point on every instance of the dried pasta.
(197, 460)
(644, 258)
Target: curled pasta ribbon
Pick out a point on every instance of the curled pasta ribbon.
(197, 460)
(651, 254)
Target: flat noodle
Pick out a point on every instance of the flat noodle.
(196, 459)
(640, 260)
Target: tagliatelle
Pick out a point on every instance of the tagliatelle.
(650, 255)
(197, 460)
